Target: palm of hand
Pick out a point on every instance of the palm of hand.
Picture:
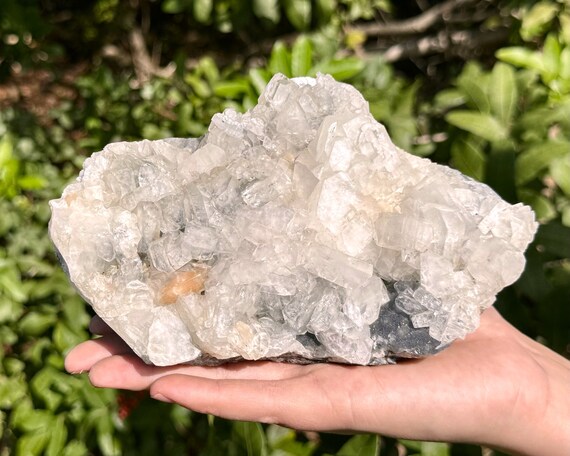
(476, 390)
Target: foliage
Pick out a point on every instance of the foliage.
(506, 123)
(301, 14)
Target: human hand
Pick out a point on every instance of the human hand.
(497, 387)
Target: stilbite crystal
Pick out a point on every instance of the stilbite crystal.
(295, 231)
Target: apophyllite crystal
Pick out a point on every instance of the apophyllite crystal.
(296, 231)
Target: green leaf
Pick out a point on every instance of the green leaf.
(532, 161)
(503, 93)
(174, 6)
(448, 98)
(435, 449)
(468, 158)
(521, 57)
(12, 389)
(231, 89)
(58, 437)
(565, 64)
(566, 216)
(564, 19)
(361, 445)
(108, 443)
(538, 19)
(299, 13)
(259, 79)
(324, 10)
(542, 206)
(6, 151)
(252, 437)
(209, 69)
(473, 83)
(30, 420)
(551, 56)
(64, 337)
(480, 124)
(340, 69)
(41, 386)
(560, 172)
(75, 448)
(198, 85)
(35, 323)
(32, 444)
(267, 9)
(276, 435)
(202, 10)
(301, 57)
(411, 444)
(32, 182)
(280, 60)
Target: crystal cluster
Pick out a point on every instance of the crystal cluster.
(296, 231)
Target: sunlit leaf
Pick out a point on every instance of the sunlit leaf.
(259, 79)
(537, 19)
(468, 158)
(341, 69)
(280, 59)
(58, 437)
(551, 58)
(12, 389)
(298, 12)
(301, 56)
(521, 57)
(542, 206)
(361, 445)
(174, 6)
(267, 9)
(560, 172)
(480, 124)
(32, 444)
(435, 449)
(231, 89)
(252, 437)
(535, 159)
(473, 83)
(325, 9)
(35, 323)
(32, 182)
(202, 10)
(503, 92)
(75, 448)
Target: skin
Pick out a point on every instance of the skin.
(497, 388)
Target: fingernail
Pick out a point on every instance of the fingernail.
(160, 397)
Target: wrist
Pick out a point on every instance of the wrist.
(540, 412)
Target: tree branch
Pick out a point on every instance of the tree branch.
(144, 65)
(458, 43)
(418, 24)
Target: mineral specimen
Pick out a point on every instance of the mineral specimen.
(296, 231)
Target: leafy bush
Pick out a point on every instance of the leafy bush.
(506, 124)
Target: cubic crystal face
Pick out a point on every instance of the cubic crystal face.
(296, 231)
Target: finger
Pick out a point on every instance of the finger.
(99, 327)
(289, 402)
(86, 354)
(130, 372)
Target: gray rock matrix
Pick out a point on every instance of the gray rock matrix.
(296, 231)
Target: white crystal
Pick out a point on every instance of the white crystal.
(294, 231)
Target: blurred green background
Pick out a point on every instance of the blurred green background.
(481, 85)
